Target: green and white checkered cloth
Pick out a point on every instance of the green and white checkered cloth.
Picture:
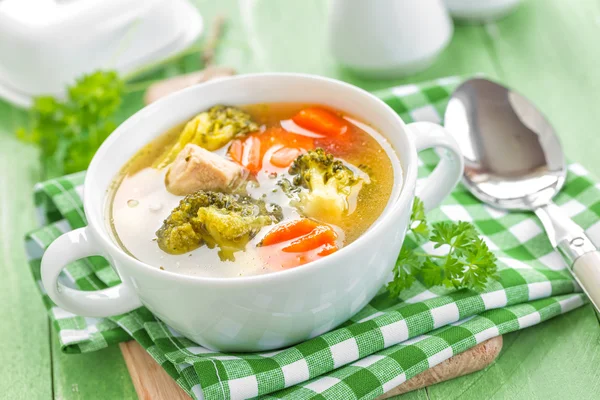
(386, 343)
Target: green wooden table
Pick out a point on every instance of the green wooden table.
(547, 49)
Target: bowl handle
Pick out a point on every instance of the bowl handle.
(72, 246)
(449, 170)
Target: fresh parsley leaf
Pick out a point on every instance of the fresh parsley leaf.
(432, 273)
(406, 269)
(467, 263)
(68, 132)
(418, 223)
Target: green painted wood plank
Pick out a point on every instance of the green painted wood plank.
(98, 375)
(24, 345)
(555, 360)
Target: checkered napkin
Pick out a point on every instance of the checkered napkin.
(386, 343)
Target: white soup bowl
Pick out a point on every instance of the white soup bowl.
(260, 312)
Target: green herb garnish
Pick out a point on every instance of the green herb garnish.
(467, 261)
(68, 132)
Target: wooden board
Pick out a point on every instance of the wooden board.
(153, 383)
(150, 380)
(475, 359)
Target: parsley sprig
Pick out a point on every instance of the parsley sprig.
(68, 132)
(465, 260)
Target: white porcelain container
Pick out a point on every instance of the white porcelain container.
(46, 44)
(388, 38)
(262, 312)
(481, 10)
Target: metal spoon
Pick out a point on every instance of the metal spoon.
(514, 161)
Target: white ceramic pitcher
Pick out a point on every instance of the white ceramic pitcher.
(388, 38)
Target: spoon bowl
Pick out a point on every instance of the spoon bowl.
(513, 158)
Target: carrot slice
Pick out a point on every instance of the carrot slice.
(278, 135)
(253, 154)
(289, 230)
(321, 121)
(327, 250)
(250, 152)
(236, 151)
(285, 156)
(321, 235)
(298, 242)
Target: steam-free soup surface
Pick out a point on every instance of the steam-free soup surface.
(140, 201)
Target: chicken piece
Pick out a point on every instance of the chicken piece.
(196, 169)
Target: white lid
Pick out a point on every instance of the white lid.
(52, 42)
(36, 13)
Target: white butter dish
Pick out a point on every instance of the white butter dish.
(46, 44)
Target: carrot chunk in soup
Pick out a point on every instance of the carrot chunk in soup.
(321, 121)
(297, 242)
(250, 152)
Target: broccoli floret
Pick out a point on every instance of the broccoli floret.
(211, 130)
(327, 182)
(228, 221)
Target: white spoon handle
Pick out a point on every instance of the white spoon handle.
(587, 272)
(581, 255)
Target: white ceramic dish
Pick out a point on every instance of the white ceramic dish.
(265, 311)
(387, 39)
(47, 45)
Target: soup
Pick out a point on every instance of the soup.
(251, 190)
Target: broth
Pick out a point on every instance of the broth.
(140, 202)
